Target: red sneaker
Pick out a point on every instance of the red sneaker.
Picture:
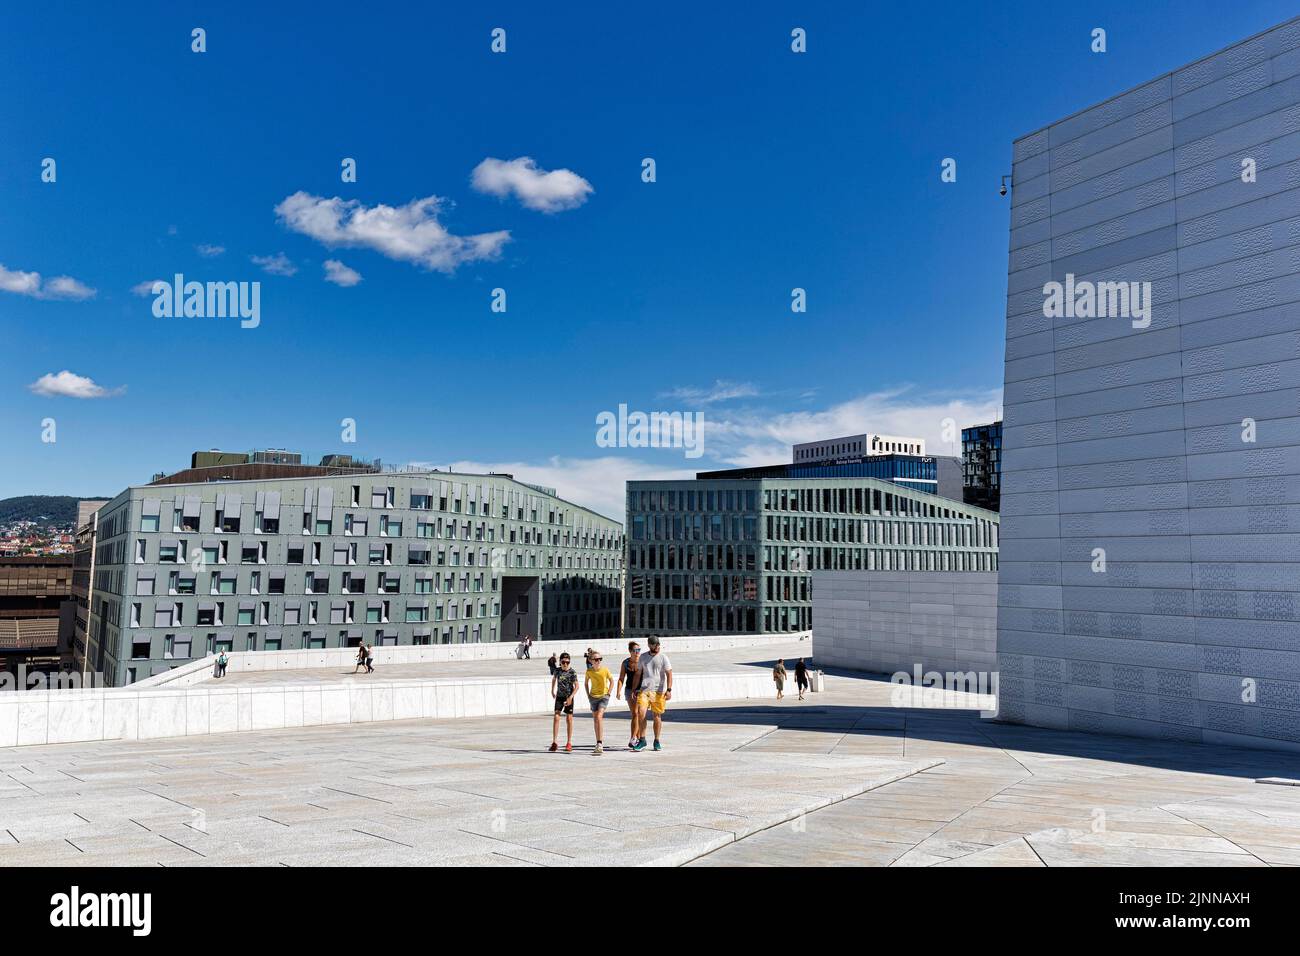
(553, 747)
(568, 748)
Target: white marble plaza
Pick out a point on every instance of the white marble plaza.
(842, 778)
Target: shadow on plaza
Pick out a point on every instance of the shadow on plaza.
(966, 726)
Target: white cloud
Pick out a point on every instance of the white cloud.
(30, 284)
(534, 187)
(145, 288)
(340, 274)
(595, 483)
(719, 391)
(276, 265)
(758, 437)
(409, 233)
(210, 251)
(70, 385)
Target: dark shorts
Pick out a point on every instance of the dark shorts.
(561, 707)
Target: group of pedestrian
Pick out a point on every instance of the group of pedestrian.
(645, 682)
(526, 648)
(365, 658)
(800, 678)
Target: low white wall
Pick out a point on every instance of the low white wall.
(196, 672)
(67, 716)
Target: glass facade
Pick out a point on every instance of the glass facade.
(735, 556)
(981, 465)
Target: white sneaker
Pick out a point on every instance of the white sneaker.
(599, 749)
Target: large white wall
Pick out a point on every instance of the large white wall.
(890, 621)
(1133, 444)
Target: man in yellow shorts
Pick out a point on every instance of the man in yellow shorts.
(655, 692)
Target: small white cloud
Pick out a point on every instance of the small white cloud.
(210, 251)
(340, 274)
(70, 385)
(409, 233)
(536, 188)
(30, 284)
(276, 265)
(145, 288)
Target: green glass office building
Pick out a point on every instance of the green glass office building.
(735, 556)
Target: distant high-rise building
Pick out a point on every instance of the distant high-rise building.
(981, 465)
(829, 449)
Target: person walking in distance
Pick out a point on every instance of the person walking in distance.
(629, 683)
(222, 661)
(655, 692)
(801, 677)
(564, 684)
(550, 665)
(599, 682)
(370, 658)
(778, 676)
(528, 647)
(361, 657)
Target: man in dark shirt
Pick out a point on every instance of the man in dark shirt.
(564, 684)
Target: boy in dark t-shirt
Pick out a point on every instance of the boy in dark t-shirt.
(564, 685)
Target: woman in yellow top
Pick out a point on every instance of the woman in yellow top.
(599, 682)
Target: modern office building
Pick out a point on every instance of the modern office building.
(981, 465)
(1150, 570)
(168, 573)
(829, 449)
(734, 555)
(35, 611)
(855, 457)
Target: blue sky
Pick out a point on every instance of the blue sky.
(775, 170)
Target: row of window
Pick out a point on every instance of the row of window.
(259, 613)
(350, 553)
(691, 619)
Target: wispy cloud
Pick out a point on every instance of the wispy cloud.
(145, 288)
(30, 284)
(719, 391)
(340, 274)
(409, 233)
(595, 483)
(756, 436)
(276, 265)
(70, 385)
(209, 251)
(537, 188)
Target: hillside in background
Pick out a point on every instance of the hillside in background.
(56, 511)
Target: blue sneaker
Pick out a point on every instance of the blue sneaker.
(640, 745)
(657, 747)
